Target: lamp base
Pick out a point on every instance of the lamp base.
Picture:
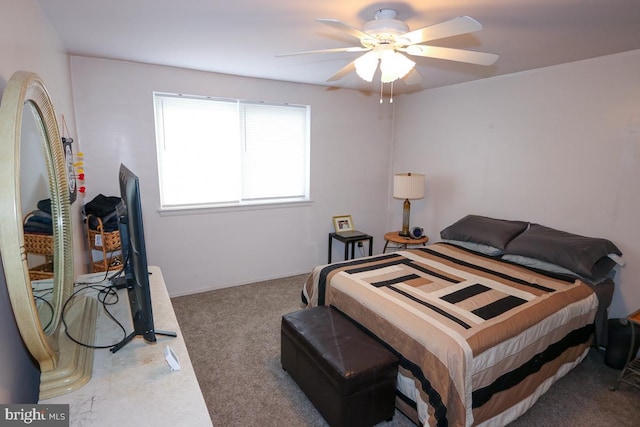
(406, 207)
(401, 234)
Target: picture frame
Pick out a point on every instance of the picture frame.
(343, 223)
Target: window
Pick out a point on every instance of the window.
(215, 152)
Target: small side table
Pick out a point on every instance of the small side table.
(631, 372)
(395, 237)
(350, 240)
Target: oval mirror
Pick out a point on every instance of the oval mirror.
(64, 364)
(38, 223)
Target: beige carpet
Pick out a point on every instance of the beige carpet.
(233, 337)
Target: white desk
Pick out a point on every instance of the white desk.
(135, 386)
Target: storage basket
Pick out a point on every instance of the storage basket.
(106, 242)
(100, 239)
(110, 241)
(43, 271)
(41, 244)
(37, 243)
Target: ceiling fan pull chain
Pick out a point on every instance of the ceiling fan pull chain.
(381, 93)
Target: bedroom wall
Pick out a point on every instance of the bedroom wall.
(27, 43)
(350, 164)
(559, 146)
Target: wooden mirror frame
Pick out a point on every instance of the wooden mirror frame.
(64, 364)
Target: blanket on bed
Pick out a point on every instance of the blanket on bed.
(475, 336)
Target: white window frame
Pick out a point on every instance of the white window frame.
(303, 198)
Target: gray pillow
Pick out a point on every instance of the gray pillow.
(586, 256)
(477, 247)
(602, 269)
(538, 264)
(484, 230)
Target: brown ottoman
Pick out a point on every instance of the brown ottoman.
(348, 376)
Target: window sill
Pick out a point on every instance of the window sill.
(192, 210)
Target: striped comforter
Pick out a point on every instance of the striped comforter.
(479, 340)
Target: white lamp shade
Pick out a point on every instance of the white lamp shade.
(366, 65)
(408, 186)
(394, 66)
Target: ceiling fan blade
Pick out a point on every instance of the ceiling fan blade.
(350, 67)
(413, 78)
(341, 26)
(452, 27)
(339, 49)
(469, 56)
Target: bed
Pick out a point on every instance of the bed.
(483, 322)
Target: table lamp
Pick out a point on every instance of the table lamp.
(407, 186)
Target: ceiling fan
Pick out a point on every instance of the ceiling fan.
(386, 40)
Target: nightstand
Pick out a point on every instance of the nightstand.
(631, 372)
(402, 242)
(350, 238)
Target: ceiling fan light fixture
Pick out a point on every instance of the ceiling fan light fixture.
(366, 65)
(394, 66)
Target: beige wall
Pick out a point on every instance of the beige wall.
(559, 146)
(350, 172)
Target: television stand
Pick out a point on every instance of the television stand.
(135, 334)
(141, 326)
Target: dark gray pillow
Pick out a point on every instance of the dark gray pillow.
(586, 256)
(484, 230)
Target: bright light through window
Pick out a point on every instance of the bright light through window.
(222, 152)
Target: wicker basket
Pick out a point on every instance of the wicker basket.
(43, 271)
(41, 244)
(37, 243)
(110, 241)
(106, 242)
(100, 239)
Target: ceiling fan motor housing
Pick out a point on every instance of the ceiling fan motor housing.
(384, 28)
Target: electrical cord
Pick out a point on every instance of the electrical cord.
(104, 292)
(107, 277)
(118, 273)
(37, 297)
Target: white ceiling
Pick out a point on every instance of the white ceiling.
(241, 37)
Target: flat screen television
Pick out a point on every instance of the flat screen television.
(134, 255)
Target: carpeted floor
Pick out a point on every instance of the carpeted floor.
(233, 338)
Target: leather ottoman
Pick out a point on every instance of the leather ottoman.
(348, 376)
